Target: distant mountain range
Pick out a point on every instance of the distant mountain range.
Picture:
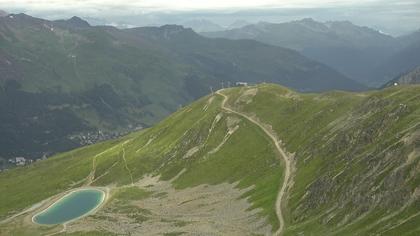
(238, 24)
(406, 58)
(63, 80)
(363, 54)
(202, 25)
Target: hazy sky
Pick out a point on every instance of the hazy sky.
(391, 16)
(154, 5)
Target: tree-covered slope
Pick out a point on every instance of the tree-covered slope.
(355, 169)
(80, 78)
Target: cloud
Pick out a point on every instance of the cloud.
(168, 5)
(392, 16)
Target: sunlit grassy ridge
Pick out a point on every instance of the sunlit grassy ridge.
(356, 159)
(246, 157)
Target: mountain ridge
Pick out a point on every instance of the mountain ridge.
(106, 80)
(411, 77)
(355, 155)
(74, 21)
(361, 53)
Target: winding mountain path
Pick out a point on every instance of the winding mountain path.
(126, 166)
(287, 160)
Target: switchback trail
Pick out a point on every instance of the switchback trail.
(285, 157)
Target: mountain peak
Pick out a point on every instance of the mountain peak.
(78, 22)
(25, 19)
(164, 32)
(341, 24)
(312, 24)
(308, 21)
(172, 30)
(21, 16)
(75, 22)
(202, 25)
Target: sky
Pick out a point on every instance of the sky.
(175, 5)
(390, 16)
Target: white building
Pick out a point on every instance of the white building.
(20, 161)
(244, 84)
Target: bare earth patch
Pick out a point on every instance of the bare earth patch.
(201, 210)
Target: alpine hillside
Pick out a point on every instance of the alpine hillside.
(66, 83)
(255, 160)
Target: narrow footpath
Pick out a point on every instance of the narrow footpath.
(287, 160)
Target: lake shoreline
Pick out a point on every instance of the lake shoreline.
(55, 200)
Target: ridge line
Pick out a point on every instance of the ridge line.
(285, 158)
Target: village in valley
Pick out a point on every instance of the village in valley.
(82, 139)
(87, 138)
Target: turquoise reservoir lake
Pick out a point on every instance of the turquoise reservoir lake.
(72, 206)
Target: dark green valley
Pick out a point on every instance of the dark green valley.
(65, 83)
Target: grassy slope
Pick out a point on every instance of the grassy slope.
(357, 160)
(351, 152)
(248, 161)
